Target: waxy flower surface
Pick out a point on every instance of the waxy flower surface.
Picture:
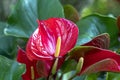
(96, 56)
(36, 68)
(42, 43)
(31, 66)
(52, 39)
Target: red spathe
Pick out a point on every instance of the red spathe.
(42, 43)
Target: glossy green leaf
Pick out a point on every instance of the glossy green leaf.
(2, 26)
(10, 70)
(49, 8)
(91, 77)
(68, 75)
(22, 21)
(113, 76)
(8, 44)
(95, 24)
(82, 77)
(96, 76)
(68, 65)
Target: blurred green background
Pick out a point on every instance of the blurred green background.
(84, 7)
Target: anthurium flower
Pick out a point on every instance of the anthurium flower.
(96, 59)
(34, 69)
(96, 56)
(42, 43)
(52, 39)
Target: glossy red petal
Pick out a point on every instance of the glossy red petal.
(42, 43)
(22, 58)
(100, 41)
(103, 65)
(42, 68)
(96, 59)
(93, 61)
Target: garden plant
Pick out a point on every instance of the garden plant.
(51, 40)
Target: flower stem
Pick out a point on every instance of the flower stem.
(54, 68)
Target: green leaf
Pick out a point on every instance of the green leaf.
(7, 43)
(82, 77)
(2, 26)
(68, 65)
(67, 76)
(113, 76)
(95, 24)
(22, 21)
(49, 8)
(10, 70)
(96, 76)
